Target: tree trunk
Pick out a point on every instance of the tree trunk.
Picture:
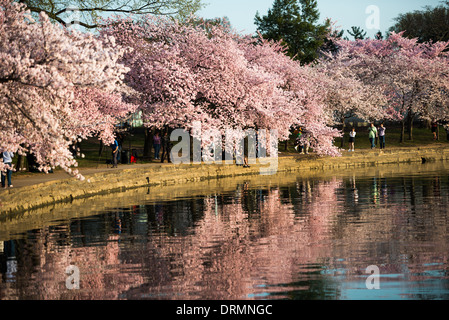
(100, 151)
(410, 119)
(402, 139)
(21, 163)
(342, 146)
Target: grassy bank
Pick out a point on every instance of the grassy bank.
(421, 137)
(136, 140)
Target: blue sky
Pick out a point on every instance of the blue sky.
(345, 13)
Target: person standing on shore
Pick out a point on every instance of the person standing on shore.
(7, 160)
(115, 151)
(381, 132)
(352, 136)
(166, 147)
(298, 145)
(434, 126)
(372, 135)
(157, 146)
(306, 143)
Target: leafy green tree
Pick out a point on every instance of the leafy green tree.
(296, 23)
(329, 44)
(357, 32)
(89, 11)
(429, 24)
(379, 36)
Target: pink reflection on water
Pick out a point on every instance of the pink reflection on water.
(250, 245)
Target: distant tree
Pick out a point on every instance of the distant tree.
(329, 44)
(379, 36)
(430, 24)
(357, 32)
(295, 22)
(88, 11)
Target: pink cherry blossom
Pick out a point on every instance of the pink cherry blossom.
(412, 76)
(55, 86)
(187, 73)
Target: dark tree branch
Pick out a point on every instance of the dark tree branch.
(147, 7)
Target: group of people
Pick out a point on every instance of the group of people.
(161, 145)
(373, 134)
(302, 141)
(7, 157)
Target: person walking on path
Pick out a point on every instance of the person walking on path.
(352, 136)
(115, 152)
(166, 147)
(298, 145)
(306, 144)
(381, 132)
(7, 160)
(372, 135)
(434, 126)
(157, 146)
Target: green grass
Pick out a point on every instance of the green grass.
(91, 149)
(422, 137)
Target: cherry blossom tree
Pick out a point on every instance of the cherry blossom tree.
(105, 110)
(305, 86)
(56, 87)
(345, 94)
(412, 76)
(188, 73)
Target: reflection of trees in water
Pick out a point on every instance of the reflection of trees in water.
(254, 241)
(221, 246)
(400, 224)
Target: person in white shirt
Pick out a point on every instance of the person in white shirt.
(352, 135)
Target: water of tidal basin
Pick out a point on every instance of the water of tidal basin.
(288, 238)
